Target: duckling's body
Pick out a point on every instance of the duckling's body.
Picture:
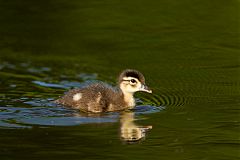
(100, 97)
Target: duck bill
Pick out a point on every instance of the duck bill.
(145, 88)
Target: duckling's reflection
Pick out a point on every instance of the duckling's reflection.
(131, 132)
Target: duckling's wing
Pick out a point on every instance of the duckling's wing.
(68, 98)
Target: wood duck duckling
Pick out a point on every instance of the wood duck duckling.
(100, 97)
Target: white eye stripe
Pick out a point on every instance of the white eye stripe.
(130, 78)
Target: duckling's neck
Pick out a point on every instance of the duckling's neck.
(127, 96)
(129, 99)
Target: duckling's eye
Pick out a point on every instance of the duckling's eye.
(133, 81)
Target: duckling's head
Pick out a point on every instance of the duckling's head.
(131, 81)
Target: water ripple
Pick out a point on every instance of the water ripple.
(166, 98)
(43, 112)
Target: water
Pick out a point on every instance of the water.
(187, 50)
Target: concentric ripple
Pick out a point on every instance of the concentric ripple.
(165, 98)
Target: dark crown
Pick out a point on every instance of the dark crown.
(131, 73)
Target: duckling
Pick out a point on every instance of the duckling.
(100, 97)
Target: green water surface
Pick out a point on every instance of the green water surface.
(188, 51)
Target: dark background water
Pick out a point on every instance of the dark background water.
(187, 50)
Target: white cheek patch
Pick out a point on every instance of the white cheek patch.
(77, 96)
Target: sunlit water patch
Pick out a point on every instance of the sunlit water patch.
(45, 113)
(64, 84)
